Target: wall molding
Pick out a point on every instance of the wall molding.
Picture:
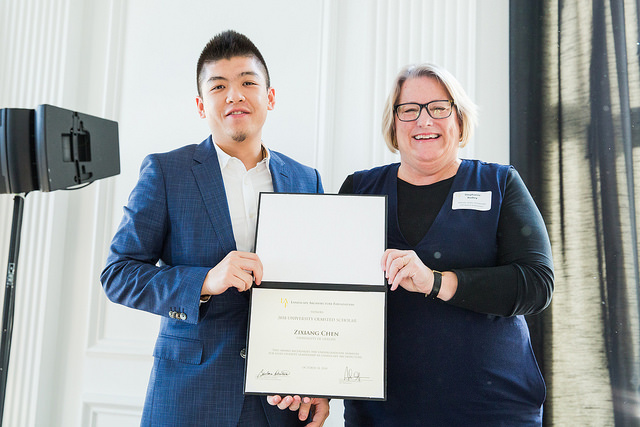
(98, 406)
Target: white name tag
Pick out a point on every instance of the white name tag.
(474, 200)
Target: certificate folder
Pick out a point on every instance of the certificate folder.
(317, 322)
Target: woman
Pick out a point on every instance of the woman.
(467, 236)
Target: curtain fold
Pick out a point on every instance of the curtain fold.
(575, 138)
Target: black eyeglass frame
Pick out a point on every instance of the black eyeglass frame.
(424, 106)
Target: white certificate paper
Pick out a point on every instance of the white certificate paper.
(322, 238)
(317, 343)
(317, 322)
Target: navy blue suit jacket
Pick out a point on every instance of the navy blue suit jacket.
(176, 227)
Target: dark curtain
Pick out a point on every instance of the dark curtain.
(575, 136)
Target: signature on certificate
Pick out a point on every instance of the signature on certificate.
(277, 373)
(352, 376)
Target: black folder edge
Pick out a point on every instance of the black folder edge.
(324, 287)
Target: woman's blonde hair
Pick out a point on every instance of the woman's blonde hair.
(466, 110)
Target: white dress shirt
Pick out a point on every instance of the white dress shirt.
(243, 187)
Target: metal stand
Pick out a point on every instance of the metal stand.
(9, 297)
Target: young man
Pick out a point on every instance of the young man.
(184, 250)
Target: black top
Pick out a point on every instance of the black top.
(522, 283)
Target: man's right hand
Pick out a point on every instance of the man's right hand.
(237, 270)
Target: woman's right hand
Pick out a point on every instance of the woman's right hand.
(406, 269)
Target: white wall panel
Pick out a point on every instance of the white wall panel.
(376, 40)
(31, 72)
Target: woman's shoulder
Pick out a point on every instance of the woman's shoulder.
(481, 164)
(487, 169)
(364, 180)
(377, 170)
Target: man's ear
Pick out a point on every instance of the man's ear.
(271, 96)
(200, 106)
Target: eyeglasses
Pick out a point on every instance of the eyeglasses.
(410, 111)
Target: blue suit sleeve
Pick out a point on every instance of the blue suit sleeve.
(135, 275)
(319, 188)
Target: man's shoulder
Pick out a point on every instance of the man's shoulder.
(184, 151)
(292, 176)
(282, 159)
(185, 154)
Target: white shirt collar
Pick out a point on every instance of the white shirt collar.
(223, 158)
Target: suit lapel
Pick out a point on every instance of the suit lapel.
(206, 171)
(279, 174)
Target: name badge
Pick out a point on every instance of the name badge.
(474, 200)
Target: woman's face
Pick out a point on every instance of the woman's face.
(427, 144)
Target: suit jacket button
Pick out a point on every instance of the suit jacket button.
(183, 316)
(172, 314)
(243, 353)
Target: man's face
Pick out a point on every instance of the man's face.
(235, 100)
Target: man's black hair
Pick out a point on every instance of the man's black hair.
(227, 45)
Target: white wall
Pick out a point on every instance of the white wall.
(78, 360)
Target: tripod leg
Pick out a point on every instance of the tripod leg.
(9, 297)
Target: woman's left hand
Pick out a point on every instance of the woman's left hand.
(404, 268)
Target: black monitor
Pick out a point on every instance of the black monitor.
(51, 148)
(18, 172)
